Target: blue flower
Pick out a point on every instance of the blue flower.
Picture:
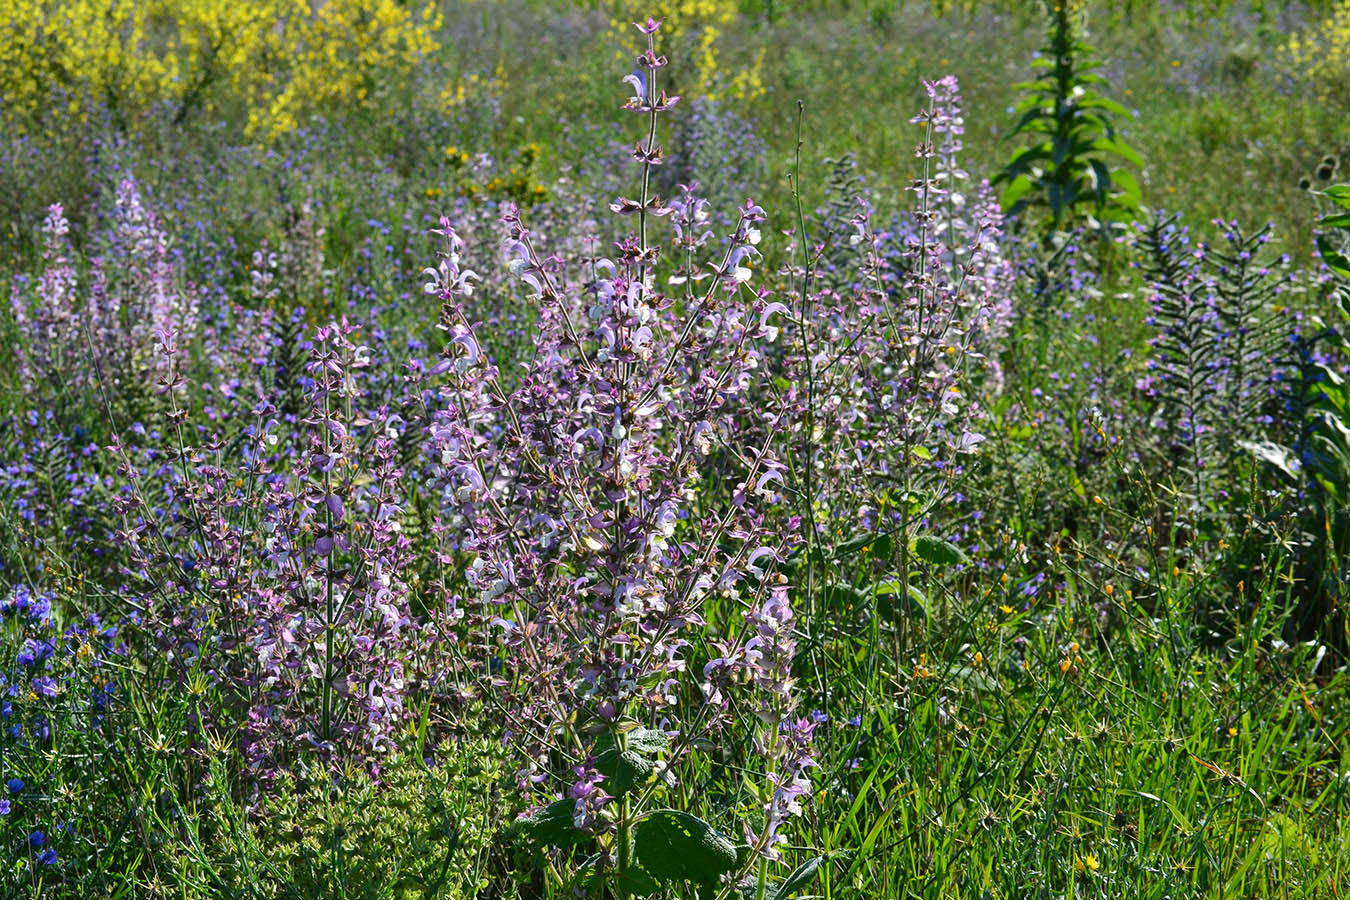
(47, 857)
(4, 806)
(34, 652)
(15, 785)
(36, 840)
(638, 79)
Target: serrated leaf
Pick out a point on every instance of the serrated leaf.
(623, 770)
(674, 845)
(632, 766)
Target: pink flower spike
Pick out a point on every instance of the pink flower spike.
(650, 27)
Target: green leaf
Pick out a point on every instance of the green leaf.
(648, 741)
(1017, 189)
(638, 882)
(551, 826)
(1339, 194)
(1331, 255)
(972, 677)
(674, 845)
(1099, 102)
(800, 878)
(938, 552)
(1121, 149)
(633, 765)
(842, 596)
(1282, 458)
(623, 770)
(878, 545)
(895, 602)
(1129, 187)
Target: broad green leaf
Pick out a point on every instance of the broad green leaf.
(674, 845)
(1340, 194)
(976, 678)
(1331, 255)
(624, 769)
(1099, 102)
(1129, 187)
(873, 544)
(1017, 189)
(800, 878)
(1282, 458)
(551, 826)
(638, 882)
(1119, 148)
(938, 552)
(633, 765)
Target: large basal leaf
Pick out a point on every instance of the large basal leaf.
(674, 845)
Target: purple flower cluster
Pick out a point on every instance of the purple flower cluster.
(573, 478)
(1222, 344)
(887, 365)
(275, 564)
(783, 743)
(103, 335)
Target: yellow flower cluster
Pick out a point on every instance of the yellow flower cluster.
(691, 29)
(517, 185)
(1320, 55)
(63, 59)
(80, 46)
(345, 46)
(473, 87)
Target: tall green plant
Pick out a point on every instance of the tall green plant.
(1220, 345)
(1319, 462)
(1069, 167)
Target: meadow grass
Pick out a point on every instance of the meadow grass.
(317, 518)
